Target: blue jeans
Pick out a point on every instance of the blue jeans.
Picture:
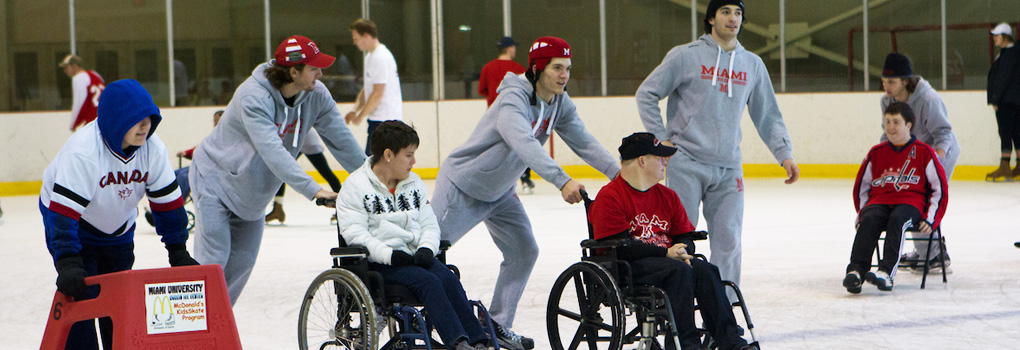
(444, 299)
(182, 182)
(368, 141)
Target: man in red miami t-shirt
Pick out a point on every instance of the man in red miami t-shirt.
(637, 208)
(494, 71)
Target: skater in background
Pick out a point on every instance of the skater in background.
(312, 149)
(380, 97)
(1004, 96)
(931, 126)
(90, 194)
(86, 87)
(239, 167)
(901, 185)
(703, 119)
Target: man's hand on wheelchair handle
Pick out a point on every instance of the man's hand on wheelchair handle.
(571, 191)
(325, 198)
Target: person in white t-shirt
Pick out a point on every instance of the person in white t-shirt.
(379, 99)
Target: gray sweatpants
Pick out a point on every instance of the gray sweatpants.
(948, 164)
(721, 193)
(222, 237)
(510, 229)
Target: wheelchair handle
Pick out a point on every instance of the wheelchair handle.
(323, 202)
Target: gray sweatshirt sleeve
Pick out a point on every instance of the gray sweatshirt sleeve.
(767, 118)
(656, 87)
(337, 137)
(513, 126)
(576, 136)
(260, 127)
(936, 121)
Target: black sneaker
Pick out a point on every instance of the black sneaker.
(510, 340)
(934, 266)
(1017, 244)
(852, 282)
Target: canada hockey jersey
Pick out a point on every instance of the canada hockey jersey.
(911, 174)
(91, 190)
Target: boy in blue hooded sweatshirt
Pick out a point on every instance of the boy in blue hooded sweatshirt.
(90, 194)
(708, 83)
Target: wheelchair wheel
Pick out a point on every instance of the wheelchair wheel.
(191, 220)
(585, 307)
(337, 313)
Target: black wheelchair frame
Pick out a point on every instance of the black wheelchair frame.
(603, 282)
(348, 305)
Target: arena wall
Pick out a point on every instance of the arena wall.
(831, 132)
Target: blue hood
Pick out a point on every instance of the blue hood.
(123, 104)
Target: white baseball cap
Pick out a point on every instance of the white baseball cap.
(1003, 28)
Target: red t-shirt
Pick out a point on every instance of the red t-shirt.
(651, 216)
(492, 74)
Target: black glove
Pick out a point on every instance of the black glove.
(400, 258)
(424, 257)
(71, 277)
(179, 256)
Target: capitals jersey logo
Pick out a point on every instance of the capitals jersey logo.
(726, 77)
(651, 230)
(898, 178)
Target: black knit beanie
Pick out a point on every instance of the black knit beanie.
(714, 6)
(897, 66)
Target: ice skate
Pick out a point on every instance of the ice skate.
(1003, 173)
(277, 213)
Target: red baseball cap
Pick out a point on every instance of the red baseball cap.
(298, 49)
(545, 49)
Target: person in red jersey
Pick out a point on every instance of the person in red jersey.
(901, 185)
(635, 207)
(86, 86)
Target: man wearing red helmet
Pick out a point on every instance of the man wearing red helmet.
(239, 167)
(476, 182)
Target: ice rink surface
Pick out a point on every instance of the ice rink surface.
(796, 238)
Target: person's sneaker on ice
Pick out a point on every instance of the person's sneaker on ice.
(852, 282)
(510, 340)
(880, 279)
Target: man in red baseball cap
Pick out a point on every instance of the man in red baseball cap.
(477, 180)
(238, 168)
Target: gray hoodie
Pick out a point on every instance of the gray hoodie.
(931, 123)
(509, 139)
(707, 90)
(252, 150)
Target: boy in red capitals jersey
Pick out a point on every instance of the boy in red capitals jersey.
(901, 185)
(636, 207)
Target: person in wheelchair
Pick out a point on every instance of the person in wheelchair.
(384, 207)
(901, 185)
(636, 207)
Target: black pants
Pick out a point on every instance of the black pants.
(368, 141)
(322, 166)
(99, 260)
(1008, 118)
(894, 220)
(682, 284)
